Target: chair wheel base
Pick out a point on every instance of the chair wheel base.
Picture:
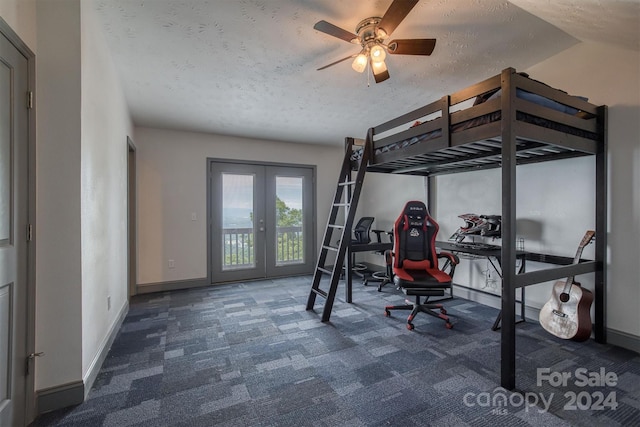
(436, 310)
(411, 327)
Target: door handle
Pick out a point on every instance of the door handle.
(30, 358)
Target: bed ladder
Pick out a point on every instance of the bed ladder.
(348, 201)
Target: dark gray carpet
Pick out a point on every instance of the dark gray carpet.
(249, 354)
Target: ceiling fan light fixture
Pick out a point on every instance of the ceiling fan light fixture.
(378, 67)
(360, 63)
(371, 33)
(377, 53)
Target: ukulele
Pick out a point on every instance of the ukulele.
(567, 313)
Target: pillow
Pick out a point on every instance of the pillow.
(532, 97)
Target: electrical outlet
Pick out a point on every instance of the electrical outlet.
(108, 302)
(172, 263)
(194, 216)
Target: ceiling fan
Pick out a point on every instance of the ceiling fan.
(371, 34)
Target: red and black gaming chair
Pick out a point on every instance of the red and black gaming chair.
(414, 263)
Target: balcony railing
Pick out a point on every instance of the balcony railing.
(237, 248)
(289, 245)
(239, 252)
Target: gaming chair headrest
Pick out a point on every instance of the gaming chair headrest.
(411, 237)
(415, 207)
(414, 214)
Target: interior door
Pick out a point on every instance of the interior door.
(13, 232)
(261, 221)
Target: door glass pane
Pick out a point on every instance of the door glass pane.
(5, 155)
(238, 228)
(289, 221)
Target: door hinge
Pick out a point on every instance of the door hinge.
(30, 99)
(30, 358)
(29, 232)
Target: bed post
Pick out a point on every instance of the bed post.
(508, 330)
(431, 195)
(600, 309)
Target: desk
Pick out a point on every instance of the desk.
(348, 260)
(490, 252)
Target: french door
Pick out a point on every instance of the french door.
(261, 220)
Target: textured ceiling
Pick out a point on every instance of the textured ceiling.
(605, 21)
(248, 67)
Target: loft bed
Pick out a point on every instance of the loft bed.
(445, 137)
(501, 122)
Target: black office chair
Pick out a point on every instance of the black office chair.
(384, 276)
(361, 235)
(362, 230)
(414, 263)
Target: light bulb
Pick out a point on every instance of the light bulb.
(360, 63)
(378, 67)
(377, 53)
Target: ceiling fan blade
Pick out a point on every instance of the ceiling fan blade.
(334, 31)
(411, 46)
(398, 10)
(337, 62)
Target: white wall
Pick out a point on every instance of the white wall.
(82, 126)
(20, 15)
(172, 175)
(103, 191)
(58, 242)
(555, 206)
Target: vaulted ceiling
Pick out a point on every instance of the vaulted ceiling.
(248, 67)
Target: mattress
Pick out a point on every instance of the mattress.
(494, 117)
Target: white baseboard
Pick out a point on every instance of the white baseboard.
(105, 346)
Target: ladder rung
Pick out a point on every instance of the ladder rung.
(324, 270)
(341, 204)
(331, 248)
(336, 226)
(319, 292)
(347, 183)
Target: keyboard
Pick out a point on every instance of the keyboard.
(476, 245)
